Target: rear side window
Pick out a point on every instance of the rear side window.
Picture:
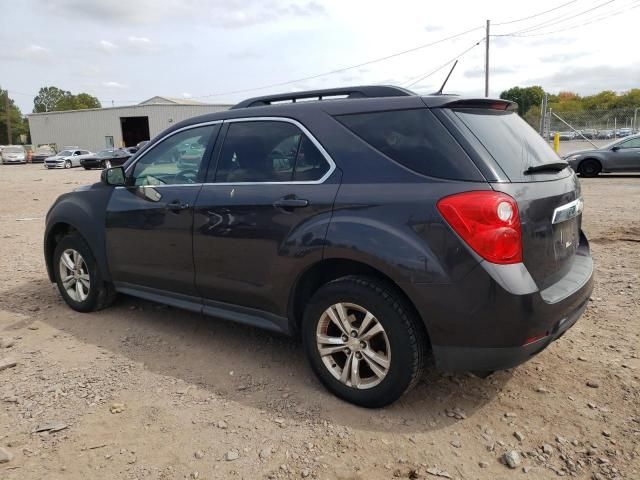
(513, 144)
(268, 151)
(415, 139)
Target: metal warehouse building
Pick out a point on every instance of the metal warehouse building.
(99, 128)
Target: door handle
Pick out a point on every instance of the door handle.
(291, 203)
(177, 205)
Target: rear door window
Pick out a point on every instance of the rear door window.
(268, 151)
(415, 139)
(512, 143)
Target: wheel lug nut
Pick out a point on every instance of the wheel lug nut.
(344, 338)
(358, 355)
(354, 333)
(363, 344)
(347, 351)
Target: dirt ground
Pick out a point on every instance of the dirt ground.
(201, 398)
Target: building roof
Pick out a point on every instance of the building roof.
(170, 101)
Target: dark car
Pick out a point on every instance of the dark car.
(382, 227)
(41, 153)
(619, 156)
(106, 158)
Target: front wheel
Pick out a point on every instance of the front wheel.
(589, 168)
(363, 342)
(78, 277)
(67, 164)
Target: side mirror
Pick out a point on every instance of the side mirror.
(113, 176)
(615, 149)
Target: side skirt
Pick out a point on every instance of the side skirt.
(225, 311)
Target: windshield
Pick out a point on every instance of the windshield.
(106, 153)
(65, 153)
(513, 144)
(13, 150)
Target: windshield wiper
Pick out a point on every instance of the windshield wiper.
(553, 167)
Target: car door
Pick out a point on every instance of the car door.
(149, 222)
(263, 213)
(75, 158)
(627, 157)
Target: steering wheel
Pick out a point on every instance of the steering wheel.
(186, 176)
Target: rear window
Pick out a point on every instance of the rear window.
(513, 144)
(414, 139)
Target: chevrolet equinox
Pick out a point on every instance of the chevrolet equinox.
(382, 227)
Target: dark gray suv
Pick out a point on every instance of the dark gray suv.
(382, 227)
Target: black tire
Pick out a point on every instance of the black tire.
(101, 294)
(589, 168)
(67, 164)
(407, 338)
(87, 168)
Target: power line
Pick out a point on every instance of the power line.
(344, 69)
(549, 23)
(580, 25)
(425, 76)
(536, 15)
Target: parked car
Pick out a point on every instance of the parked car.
(397, 228)
(106, 158)
(621, 155)
(42, 153)
(67, 159)
(589, 133)
(568, 135)
(13, 154)
(624, 132)
(605, 134)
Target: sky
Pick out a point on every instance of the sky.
(222, 51)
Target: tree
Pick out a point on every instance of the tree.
(19, 125)
(525, 97)
(54, 99)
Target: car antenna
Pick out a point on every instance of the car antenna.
(439, 92)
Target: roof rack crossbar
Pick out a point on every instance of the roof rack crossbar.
(367, 91)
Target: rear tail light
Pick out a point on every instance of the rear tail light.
(488, 222)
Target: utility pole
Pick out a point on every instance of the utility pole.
(6, 111)
(486, 62)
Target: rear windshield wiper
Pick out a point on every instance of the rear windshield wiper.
(552, 166)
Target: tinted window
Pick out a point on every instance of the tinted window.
(268, 151)
(415, 139)
(175, 160)
(633, 143)
(513, 144)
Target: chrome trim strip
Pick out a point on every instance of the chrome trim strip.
(318, 145)
(567, 211)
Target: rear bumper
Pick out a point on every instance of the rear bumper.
(489, 359)
(483, 323)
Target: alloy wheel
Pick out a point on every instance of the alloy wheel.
(67, 164)
(74, 275)
(107, 164)
(353, 345)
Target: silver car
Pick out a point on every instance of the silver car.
(14, 154)
(622, 155)
(67, 159)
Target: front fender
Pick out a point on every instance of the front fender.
(84, 211)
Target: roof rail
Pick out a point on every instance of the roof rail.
(366, 91)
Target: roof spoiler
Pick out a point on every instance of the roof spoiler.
(366, 91)
(486, 103)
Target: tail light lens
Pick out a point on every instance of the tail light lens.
(488, 222)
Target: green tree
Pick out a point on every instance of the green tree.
(54, 99)
(19, 125)
(525, 97)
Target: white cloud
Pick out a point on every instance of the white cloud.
(114, 85)
(107, 46)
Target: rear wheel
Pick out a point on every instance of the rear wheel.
(78, 277)
(589, 168)
(363, 342)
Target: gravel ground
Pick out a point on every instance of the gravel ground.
(144, 391)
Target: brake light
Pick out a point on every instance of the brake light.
(488, 222)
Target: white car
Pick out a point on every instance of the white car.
(13, 154)
(67, 159)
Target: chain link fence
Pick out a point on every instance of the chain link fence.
(585, 129)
